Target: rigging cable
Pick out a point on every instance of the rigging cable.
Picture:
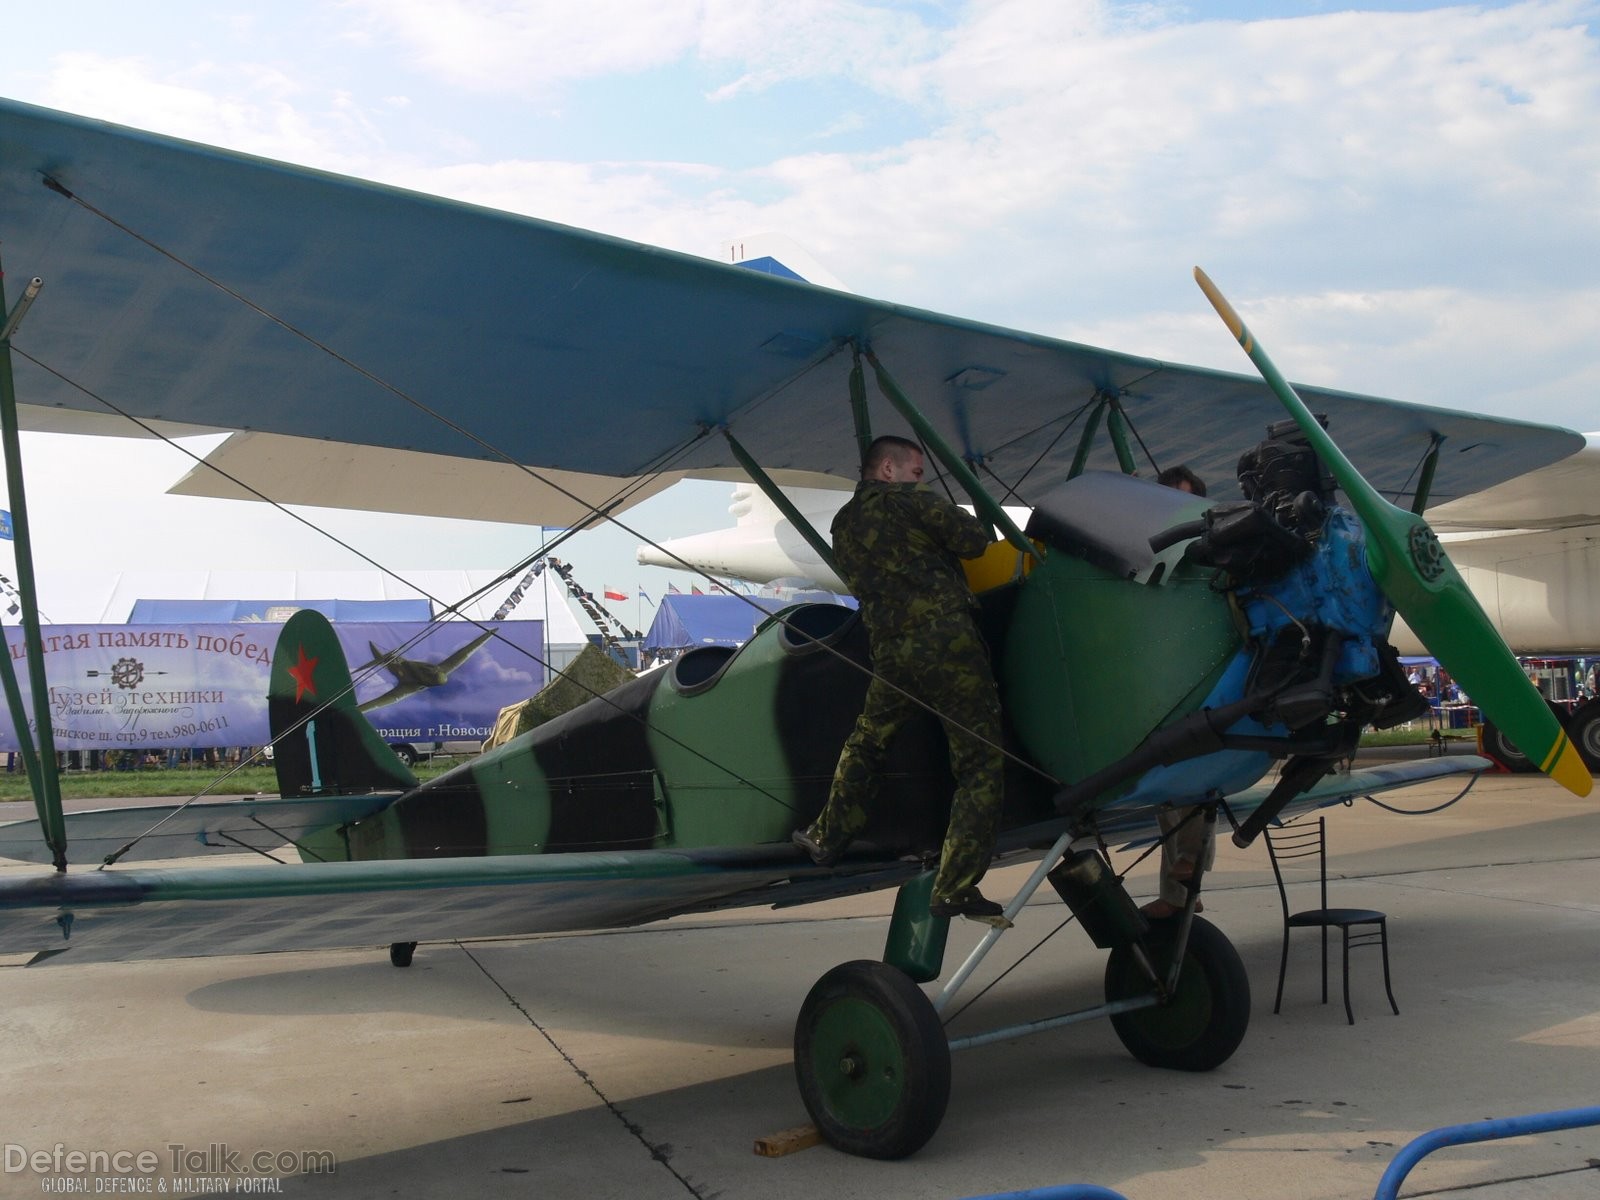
(454, 426)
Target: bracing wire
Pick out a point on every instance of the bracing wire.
(605, 510)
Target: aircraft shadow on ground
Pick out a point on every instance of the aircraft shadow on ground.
(1068, 1106)
(1484, 1006)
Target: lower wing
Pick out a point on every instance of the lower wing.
(98, 916)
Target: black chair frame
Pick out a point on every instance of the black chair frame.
(1358, 926)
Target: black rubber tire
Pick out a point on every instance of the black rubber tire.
(1504, 751)
(872, 1061)
(400, 953)
(1203, 1024)
(1584, 730)
(406, 752)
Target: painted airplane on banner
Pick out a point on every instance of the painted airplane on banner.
(185, 288)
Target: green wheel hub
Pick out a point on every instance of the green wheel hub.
(1181, 1020)
(858, 1062)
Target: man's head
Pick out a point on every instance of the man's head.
(1183, 479)
(893, 460)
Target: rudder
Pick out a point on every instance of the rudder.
(321, 743)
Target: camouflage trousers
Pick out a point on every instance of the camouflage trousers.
(1193, 843)
(945, 665)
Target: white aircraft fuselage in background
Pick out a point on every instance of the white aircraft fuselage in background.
(1529, 549)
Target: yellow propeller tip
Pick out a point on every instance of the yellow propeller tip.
(1570, 771)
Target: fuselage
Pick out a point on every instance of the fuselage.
(1099, 644)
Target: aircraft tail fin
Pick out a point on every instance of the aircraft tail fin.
(322, 745)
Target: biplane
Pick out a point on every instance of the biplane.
(413, 675)
(175, 287)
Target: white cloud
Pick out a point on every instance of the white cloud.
(1405, 203)
(1527, 355)
(253, 107)
(531, 47)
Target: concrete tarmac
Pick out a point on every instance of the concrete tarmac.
(645, 1063)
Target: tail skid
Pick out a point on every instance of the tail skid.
(322, 745)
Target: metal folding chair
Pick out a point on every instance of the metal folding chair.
(1295, 844)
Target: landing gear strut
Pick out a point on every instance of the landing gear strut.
(871, 1055)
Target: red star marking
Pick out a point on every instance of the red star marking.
(303, 674)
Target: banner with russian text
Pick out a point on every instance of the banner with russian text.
(157, 687)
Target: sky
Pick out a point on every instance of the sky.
(1401, 198)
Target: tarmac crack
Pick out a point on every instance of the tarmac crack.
(661, 1153)
(1457, 1189)
(1585, 907)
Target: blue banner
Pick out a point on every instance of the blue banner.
(150, 687)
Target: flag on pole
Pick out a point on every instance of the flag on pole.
(672, 590)
(645, 596)
(697, 591)
(615, 595)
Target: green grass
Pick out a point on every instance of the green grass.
(182, 782)
(1414, 736)
(188, 781)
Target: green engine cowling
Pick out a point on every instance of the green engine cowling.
(1108, 639)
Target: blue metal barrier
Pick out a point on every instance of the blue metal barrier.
(1410, 1155)
(1070, 1191)
(1478, 1131)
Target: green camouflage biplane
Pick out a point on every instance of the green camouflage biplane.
(371, 346)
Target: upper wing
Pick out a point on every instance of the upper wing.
(1564, 495)
(185, 285)
(460, 655)
(1529, 549)
(395, 694)
(303, 470)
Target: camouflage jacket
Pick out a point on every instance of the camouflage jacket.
(898, 546)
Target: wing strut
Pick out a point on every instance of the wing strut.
(42, 777)
(1425, 484)
(1117, 427)
(858, 405)
(785, 505)
(988, 507)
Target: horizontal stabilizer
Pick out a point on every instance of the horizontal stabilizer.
(185, 831)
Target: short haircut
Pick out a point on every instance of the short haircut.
(1174, 477)
(887, 447)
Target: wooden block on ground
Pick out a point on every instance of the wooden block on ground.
(776, 1145)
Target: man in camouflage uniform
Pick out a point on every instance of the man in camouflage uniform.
(1186, 838)
(897, 545)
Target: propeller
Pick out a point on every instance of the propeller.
(1411, 567)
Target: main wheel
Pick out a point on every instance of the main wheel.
(1503, 750)
(1203, 1023)
(400, 953)
(872, 1061)
(1584, 731)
